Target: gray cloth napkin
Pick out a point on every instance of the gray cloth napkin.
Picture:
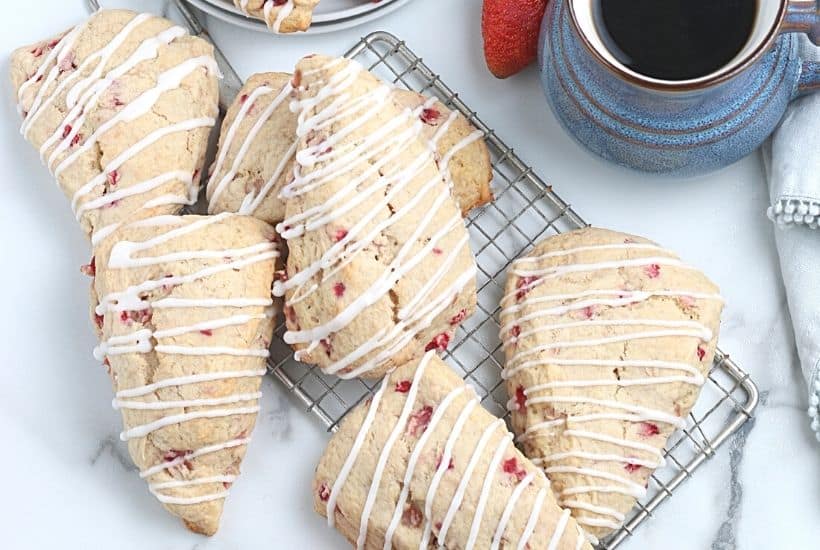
(792, 158)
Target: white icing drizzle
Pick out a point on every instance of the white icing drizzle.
(444, 464)
(102, 56)
(167, 303)
(384, 455)
(354, 453)
(207, 402)
(466, 477)
(645, 363)
(373, 153)
(453, 433)
(623, 298)
(533, 308)
(532, 520)
(413, 460)
(581, 538)
(640, 413)
(145, 429)
(166, 499)
(602, 510)
(168, 464)
(217, 187)
(602, 457)
(144, 187)
(136, 148)
(185, 380)
(100, 234)
(486, 487)
(629, 487)
(166, 81)
(56, 56)
(559, 530)
(284, 11)
(458, 146)
(508, 509)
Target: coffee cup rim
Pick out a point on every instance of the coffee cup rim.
(725, 73)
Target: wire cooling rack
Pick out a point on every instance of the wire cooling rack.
(525, 210)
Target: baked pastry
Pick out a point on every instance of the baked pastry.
(607, 337)
(379, 265)
(258, 142)
(281, 16)
(120, 108)
(462, 151)
(422, 464)
(184, 312)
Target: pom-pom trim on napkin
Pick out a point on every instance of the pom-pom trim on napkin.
(794, 211)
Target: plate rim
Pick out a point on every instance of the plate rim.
(320, 18)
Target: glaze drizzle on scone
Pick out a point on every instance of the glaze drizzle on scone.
(281, 16)
(379, 265)
(422, 464)
(258, 144)
(98, 97)
(262, 160)
(185, 316)
(608, 339)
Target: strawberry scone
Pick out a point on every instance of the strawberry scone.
(258, 144)
(608, 339)
(120, 108)
(281, 16)
(185, 318)
(379, 266)
(423, 465)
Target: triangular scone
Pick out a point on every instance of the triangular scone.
(281, 16)
(258, 143)
(185, 311)
(608, 339)
(120, 108)
(422, 464)
(379, 265)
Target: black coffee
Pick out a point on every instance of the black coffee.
(675, 39)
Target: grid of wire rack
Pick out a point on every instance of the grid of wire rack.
(525, 210)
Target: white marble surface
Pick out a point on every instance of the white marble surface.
(69, 483)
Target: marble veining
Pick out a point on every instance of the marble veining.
(112, 445)
(726, 534)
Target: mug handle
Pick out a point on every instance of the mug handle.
(803, 16)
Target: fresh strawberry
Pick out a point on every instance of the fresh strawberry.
(510, 30)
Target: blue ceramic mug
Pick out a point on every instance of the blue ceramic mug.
(683, 127)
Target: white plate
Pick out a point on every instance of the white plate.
(328, 11)
(336, 15)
